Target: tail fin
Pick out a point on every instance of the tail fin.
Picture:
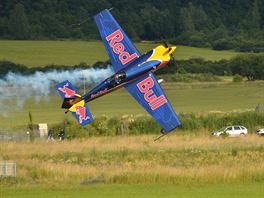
(73, 101)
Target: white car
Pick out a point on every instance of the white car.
(260, 132)
(231, 131)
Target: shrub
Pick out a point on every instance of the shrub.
(237, 78)
(222, 44)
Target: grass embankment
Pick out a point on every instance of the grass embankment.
(42, 53)
(175, 160)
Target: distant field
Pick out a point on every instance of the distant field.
(42, 53)
(197, 98)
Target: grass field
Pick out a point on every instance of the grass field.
(42, 53)
(139, 191)
(179, 165)
(197, 98)
(136, 166)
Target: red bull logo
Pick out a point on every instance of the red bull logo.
(145, 87)
(69, 93)
(81, 112)
(118, 48)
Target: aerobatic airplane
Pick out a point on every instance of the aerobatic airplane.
(132, 71)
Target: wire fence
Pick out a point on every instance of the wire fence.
(7, 169)
(17, 136)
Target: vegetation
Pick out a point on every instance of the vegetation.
(31, 127)
(176, 160)
(249, 65)
(144, 124)
(197, 98)
(186, 162)
(200, 24)
(71, 55)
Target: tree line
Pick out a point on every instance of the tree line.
(249, 65)
(218, 24)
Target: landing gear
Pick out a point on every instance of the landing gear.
(163, 131)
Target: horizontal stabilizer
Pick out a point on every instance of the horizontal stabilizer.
(67, 90)
(68, 102)
(72, 100)
(81, 112)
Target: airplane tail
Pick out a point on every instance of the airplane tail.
(72, 100)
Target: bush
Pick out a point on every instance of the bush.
(7, 66)
(197, 41)
(222, 44)
(251, 46)
(190, 78)
(144, 125)
(237, 78)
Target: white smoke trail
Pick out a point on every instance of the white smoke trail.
(20, 87)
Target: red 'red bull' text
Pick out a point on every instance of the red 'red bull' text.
(118, 48)
(145, 87)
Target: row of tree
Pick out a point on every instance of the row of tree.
(219, 24)
(249, 65)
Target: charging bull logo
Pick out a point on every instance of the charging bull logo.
(69, 93)
(145, 87)
(118, 48)
(81, 112)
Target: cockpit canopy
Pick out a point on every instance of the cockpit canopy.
(117, 78)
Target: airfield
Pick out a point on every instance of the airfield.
(182, 164)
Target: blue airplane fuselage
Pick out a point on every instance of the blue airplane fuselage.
(137, 68)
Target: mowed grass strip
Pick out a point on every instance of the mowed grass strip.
(240, 190)
(42, 53)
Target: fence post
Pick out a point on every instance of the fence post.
(14, 169)
(5, 168)
(122, 128)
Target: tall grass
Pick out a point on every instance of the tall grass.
(145, 124)
(138, 159)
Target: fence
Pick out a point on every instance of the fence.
(40, 132)
(18, 136)
(8, 169)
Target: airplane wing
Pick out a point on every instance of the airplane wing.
(120, 49)
(147, 91)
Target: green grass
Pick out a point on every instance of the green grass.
(197, 98)
(42, 53)
(138, 191)
(179, 165)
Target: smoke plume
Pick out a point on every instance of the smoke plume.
(16, 88)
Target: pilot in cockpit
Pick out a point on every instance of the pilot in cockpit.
(118, 78)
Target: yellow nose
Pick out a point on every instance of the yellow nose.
(172, 49)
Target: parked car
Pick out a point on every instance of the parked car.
(260, 131)
(231, 131)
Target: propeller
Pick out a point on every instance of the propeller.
(171, 55)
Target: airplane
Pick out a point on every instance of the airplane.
(133, 71)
